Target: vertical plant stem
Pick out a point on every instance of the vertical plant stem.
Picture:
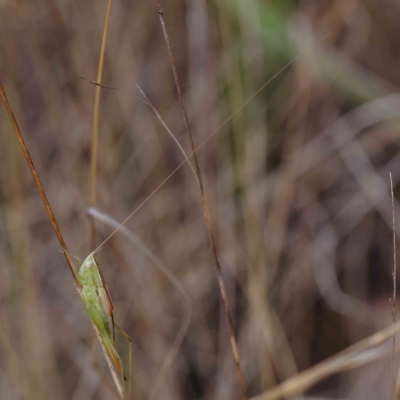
(393, 299)
(95, 130)
(205, 208)
(39, 185)
(93, 175)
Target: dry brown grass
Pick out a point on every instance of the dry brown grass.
(297, 185)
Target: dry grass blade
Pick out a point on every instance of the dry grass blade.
(205, 207)
(393, 299)
(148, 102)
(95, 131)
(354, 356)
(54, 223)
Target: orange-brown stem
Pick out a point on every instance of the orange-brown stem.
(205, 208)
(39, 185)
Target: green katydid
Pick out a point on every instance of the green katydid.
(89, 280)
(99, 305)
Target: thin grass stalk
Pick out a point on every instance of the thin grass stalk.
(93, 173)
(39, 186)
(95, 130)
(205, 209)
(393, 299)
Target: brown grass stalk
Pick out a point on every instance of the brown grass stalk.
(205, 208)
(39, 185)
(393, 299)
(95, 129)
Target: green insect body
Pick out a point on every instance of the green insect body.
(99, 305)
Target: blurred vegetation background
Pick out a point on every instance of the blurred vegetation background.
(297, 181)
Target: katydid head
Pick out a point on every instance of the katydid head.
(90, 262)
(88, 265)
